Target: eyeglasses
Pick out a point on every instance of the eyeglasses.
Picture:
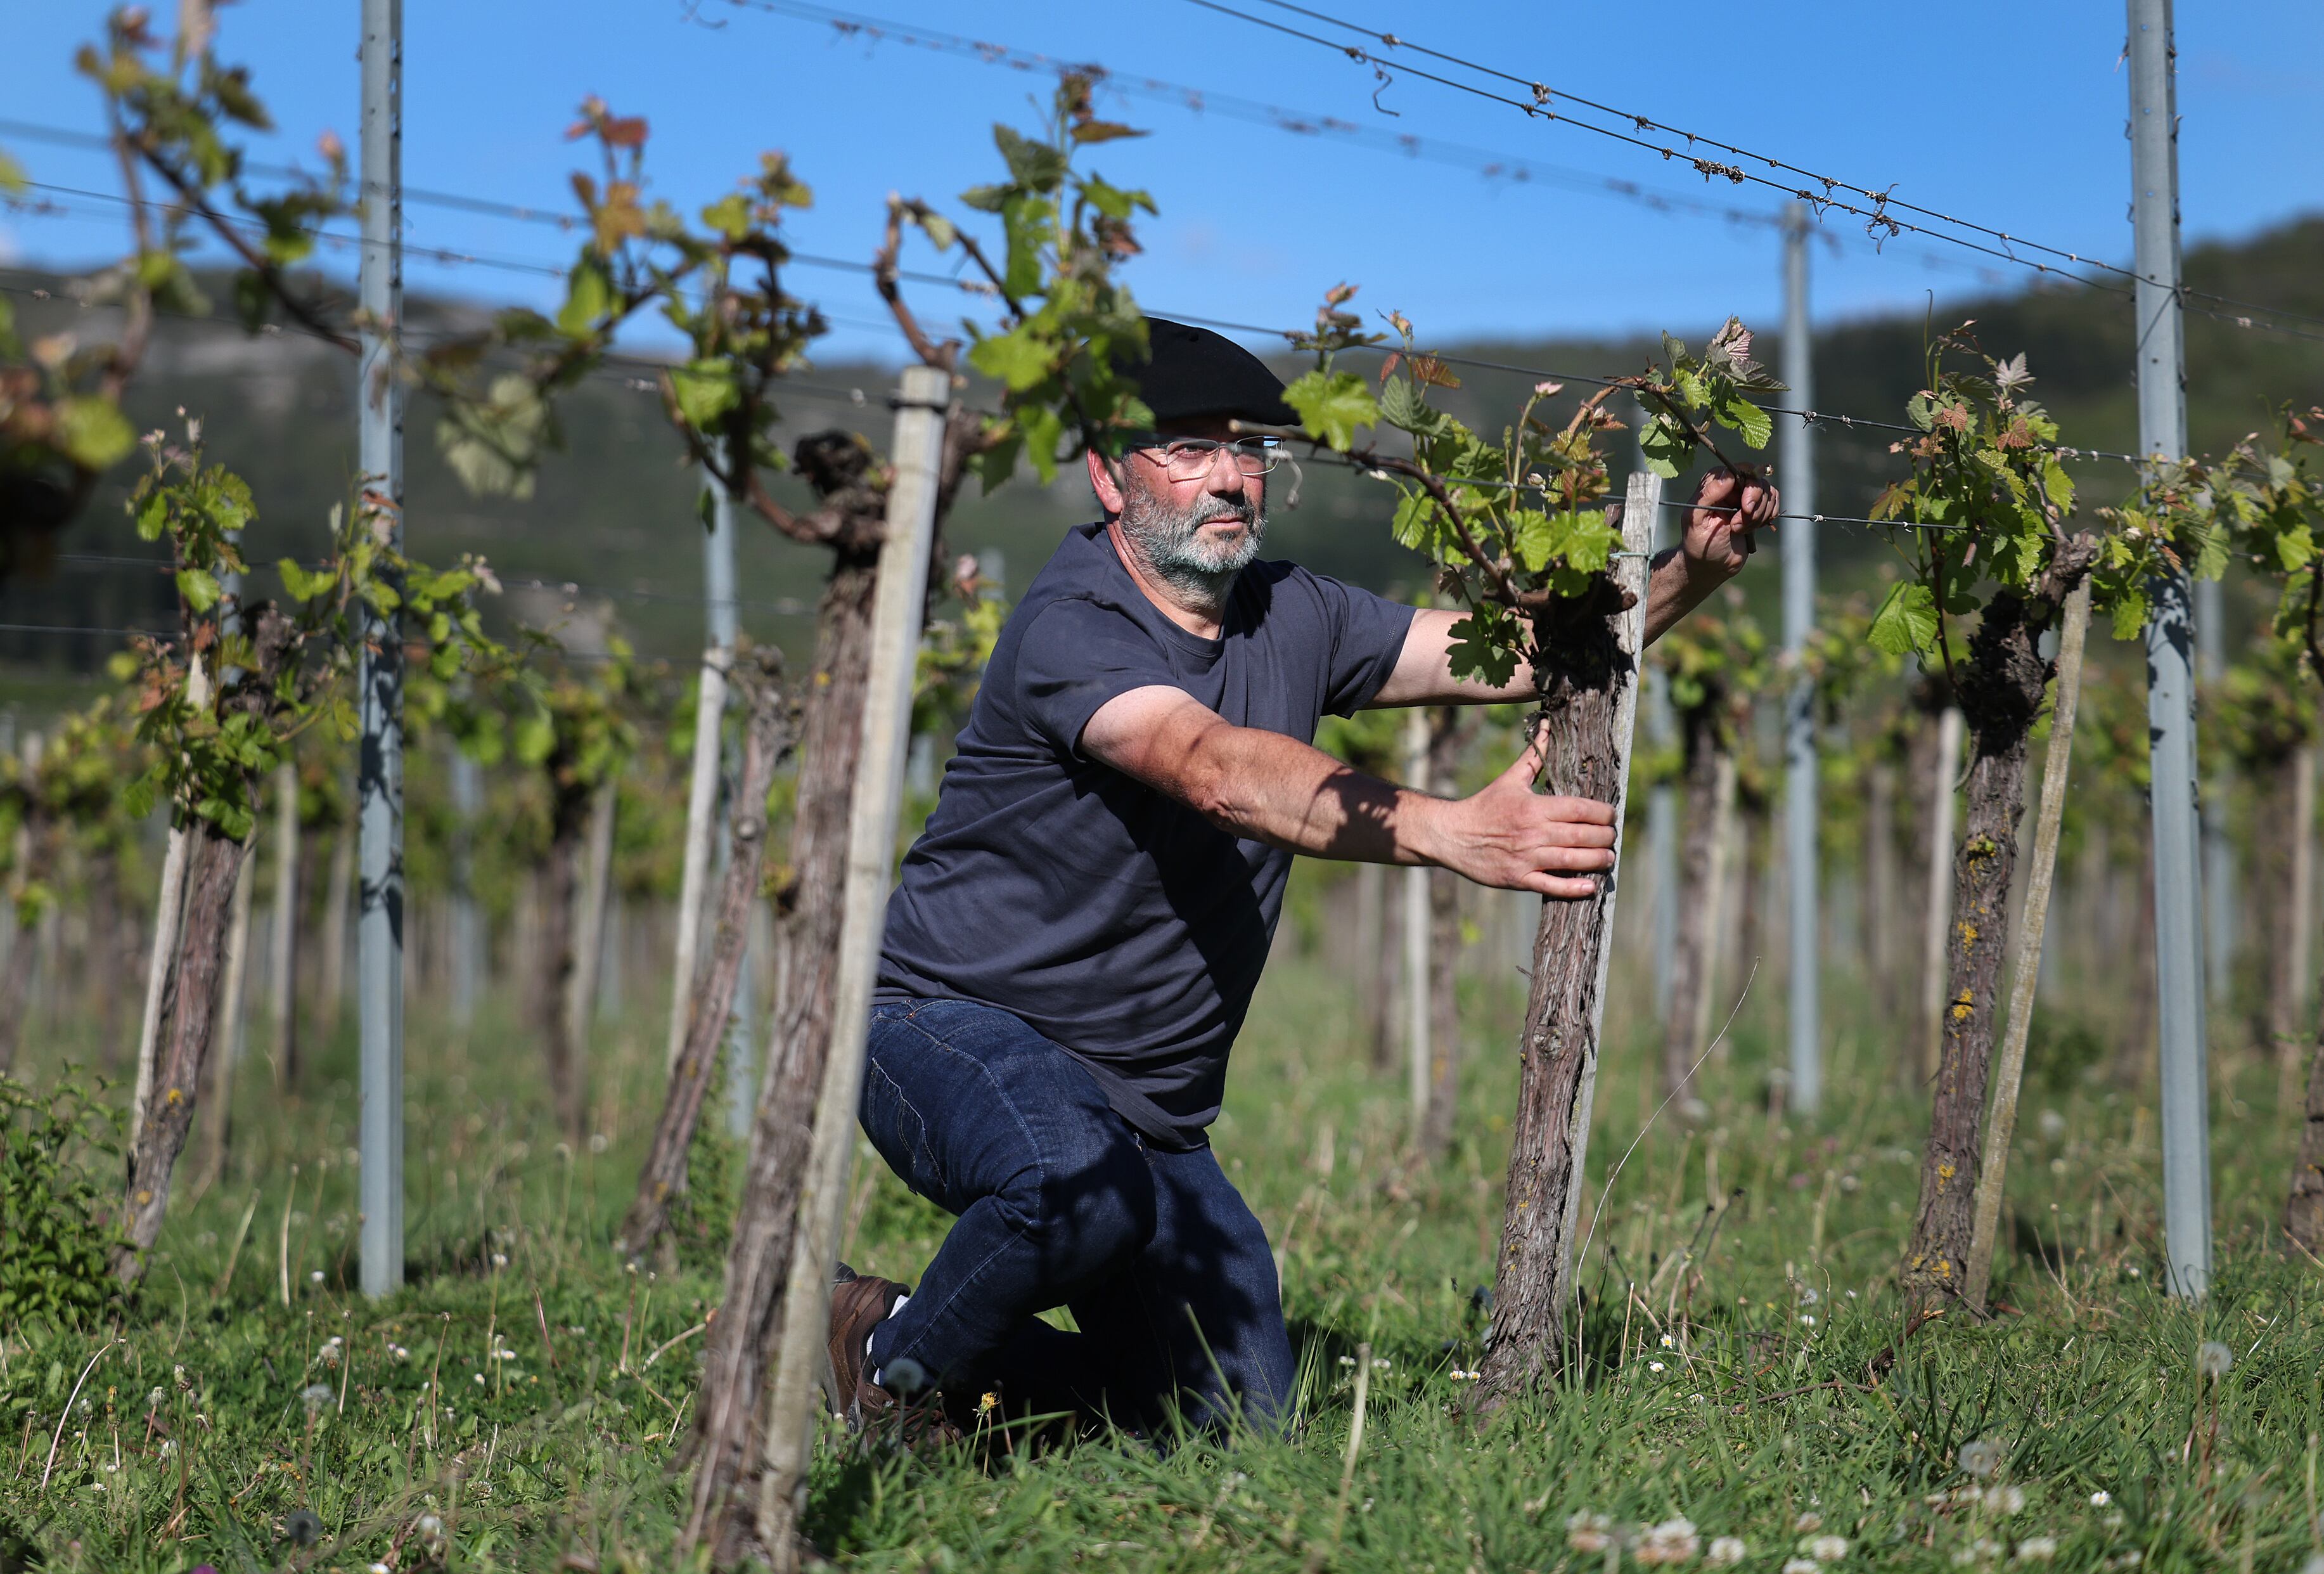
(1189, 458)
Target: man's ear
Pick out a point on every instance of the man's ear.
(1103, 482)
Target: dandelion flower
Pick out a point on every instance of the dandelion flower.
(315, 1276)
(153, 1400)
(2214, 1359)
(903, 1375)
(1809, 1297)
(2037, 1549)
(1727, 1549)
(1589, 1532)
(1980, 1457)
(317, 1395)
(1828, 1548)
(500, 1259)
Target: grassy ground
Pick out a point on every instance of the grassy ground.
(251, 1398)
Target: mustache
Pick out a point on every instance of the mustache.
(1241, 512)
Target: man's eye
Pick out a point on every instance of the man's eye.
(1192, 447)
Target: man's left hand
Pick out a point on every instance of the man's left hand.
(1727, 508)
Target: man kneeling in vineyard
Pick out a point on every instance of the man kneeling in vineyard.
(1077, 936)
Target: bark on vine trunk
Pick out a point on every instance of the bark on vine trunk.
(1588, 673)
(1449, 731)
(2292, 812)
(2303, 1210)
(214, 864)
(723, 1446)
(1710, 781)
(2001, 688)
(1881, 904)
(756, 681)
(1377, 976)
(218, 1132)
(560, 891)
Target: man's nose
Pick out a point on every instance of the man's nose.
(1225, 477)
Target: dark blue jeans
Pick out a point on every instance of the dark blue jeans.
(1061, 1202)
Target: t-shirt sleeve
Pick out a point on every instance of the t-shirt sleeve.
(1076, 656)
(1367, 637)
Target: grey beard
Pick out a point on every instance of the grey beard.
(1168, 541)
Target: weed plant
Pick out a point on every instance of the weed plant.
(1739, 1394)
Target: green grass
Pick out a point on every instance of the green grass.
(1760, 1424)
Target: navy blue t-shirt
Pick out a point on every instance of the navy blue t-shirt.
(1116, 920)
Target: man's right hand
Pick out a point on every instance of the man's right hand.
(1507, 835)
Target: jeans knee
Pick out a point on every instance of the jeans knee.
(1089, 1216)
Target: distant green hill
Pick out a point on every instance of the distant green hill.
(615, 511)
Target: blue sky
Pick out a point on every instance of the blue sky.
(2011, 114)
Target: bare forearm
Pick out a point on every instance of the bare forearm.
(1276, 790)
(1673, 591)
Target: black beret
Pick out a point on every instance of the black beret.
(1192, 371)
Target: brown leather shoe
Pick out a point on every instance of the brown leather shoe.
(858, 1305)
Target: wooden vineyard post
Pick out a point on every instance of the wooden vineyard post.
(897, 614)
(283, 938)
(1412, 911)
(702, 786)
(2025, 966)
(168, 915)
(1591, 713)
(1951, 731)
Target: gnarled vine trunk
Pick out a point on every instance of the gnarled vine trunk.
(1449, 731)
(561, 890)
(1588, 673)
(214, 864)
(1710, 781)
(2303, 1210)
(757, 684)
(2000, 695)
(728, 1424)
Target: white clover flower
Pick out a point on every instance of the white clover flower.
(2037, 1549)
(1980, 1458)
(1673, 1541)
(1828, 1548)
(2101, 1498)
(1725, 1550)
(2004, 1500)
(2214, 1359)
(315, 1276)
(1801, 1565)
(1588, 1533)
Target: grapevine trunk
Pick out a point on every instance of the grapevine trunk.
(1448, 732)
(2303, 1210)
(764, 744)
(560, 894)
(1710, 779)
(725, 1446)
(1584, 676)
(2001, 692)
(214, 864)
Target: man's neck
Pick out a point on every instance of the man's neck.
(1202, 613)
